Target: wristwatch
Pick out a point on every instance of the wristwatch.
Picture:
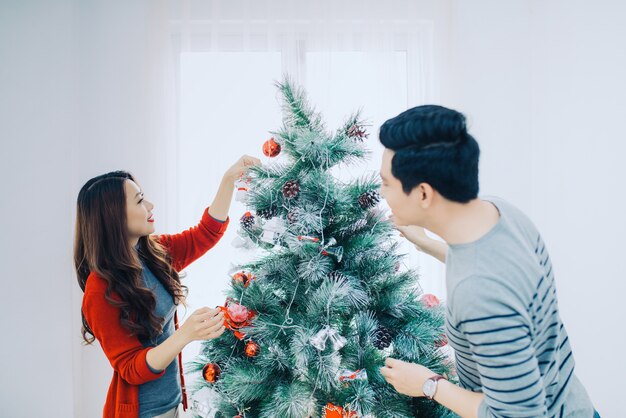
(430, 386)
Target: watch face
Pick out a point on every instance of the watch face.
(429, 388)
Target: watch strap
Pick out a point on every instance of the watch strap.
(434, 379)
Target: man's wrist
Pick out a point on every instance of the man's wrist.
(430, 388)
(423, 245)
(437, 394)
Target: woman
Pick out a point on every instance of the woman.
(132, 288)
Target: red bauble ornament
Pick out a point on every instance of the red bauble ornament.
(271, 148)
(237, 316)
(211, 372)
(238, 313)
(243, 277)
(430, 301)
(252, 349)
(334, 411)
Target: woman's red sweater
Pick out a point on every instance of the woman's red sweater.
(125, 352)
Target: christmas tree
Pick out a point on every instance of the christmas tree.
(313, 318)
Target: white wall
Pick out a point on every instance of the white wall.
(543, 86)
(489, 79)
(578, 174)
(36, 208)
(84, 90)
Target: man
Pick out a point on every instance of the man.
(513, 355)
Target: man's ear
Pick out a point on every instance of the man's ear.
(424, 195)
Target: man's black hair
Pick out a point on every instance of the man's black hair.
(432, 145)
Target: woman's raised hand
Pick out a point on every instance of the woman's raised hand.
(240, 167)
(203, 324)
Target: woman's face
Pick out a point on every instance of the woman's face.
(138, 211)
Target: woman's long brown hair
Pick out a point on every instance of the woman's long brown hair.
(102, 246)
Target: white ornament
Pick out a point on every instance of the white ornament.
(319, 340)
(349, 375)
(337, 339)
(273, 230)
(327, 333)
(243, 242)
(242, 185)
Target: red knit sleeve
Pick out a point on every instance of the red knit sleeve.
(189, 245)
(125, 352)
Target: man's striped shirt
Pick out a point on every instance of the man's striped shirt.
(503, 323)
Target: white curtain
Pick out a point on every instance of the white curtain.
(295, 28)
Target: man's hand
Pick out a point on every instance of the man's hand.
(406, 378)
(417, 236)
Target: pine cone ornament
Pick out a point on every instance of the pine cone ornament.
(382, 338)
(292, 216)
(369, 199)
(335, 276)
(357, 132)
(247, 220)
(267, 213)
(291, 189)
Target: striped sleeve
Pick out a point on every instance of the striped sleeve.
(496, 328)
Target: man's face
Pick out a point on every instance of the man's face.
(407, 209)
